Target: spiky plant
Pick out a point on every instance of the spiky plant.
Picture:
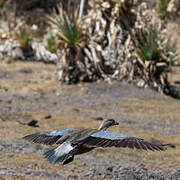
(67, 26)
(69, 30)
(148, 48)
(156, 55)
(93, 51)
(70, 42)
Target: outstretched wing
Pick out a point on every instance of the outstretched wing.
(109, 139)
(47, 138)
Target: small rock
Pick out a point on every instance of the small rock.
(26, 70)
(33, 123)
(9, 101)
(76, 110)
(48, 116)
(177, 82)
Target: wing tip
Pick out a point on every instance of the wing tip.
(169, 145)
(30, 137)
(41, 139)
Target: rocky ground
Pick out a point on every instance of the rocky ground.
(32, 100)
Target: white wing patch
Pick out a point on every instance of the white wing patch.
(63, 149)
(109, 135)
(59, 132)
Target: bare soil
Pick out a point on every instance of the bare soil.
(33, 100)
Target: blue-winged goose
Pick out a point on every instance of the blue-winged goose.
(72, 142)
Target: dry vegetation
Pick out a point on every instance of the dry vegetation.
(112, 41)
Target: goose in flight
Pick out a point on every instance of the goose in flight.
(71, 142)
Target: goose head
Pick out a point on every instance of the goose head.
(107, 123)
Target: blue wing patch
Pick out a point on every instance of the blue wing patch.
(59, 132)
(109, 135)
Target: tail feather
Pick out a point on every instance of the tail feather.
(51, 157)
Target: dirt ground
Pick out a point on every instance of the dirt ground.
(33, 100)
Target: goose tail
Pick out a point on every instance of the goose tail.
(51, 155)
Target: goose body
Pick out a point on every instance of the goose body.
(72, 142)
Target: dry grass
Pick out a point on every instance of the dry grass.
(143, 109)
